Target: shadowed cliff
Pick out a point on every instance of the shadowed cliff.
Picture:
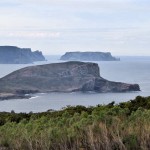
(16, 55)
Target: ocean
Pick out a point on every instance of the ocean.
(128, 70)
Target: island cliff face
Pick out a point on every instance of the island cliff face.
(61, 77)
(16, 55)
(88, 56)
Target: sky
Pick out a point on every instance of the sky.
(121, 27)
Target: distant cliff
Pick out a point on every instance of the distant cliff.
(60, 77)
(16, 55)
(88, 56)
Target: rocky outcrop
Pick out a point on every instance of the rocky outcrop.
(61, 77)
(88, 56)
(16, 55)
(7, 96)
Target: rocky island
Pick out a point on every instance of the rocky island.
(60, 77)
(16, 55)
(89, 56)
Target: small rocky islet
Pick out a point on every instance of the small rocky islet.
(59, 77)
(88, 56)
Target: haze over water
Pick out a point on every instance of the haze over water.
(128, 70)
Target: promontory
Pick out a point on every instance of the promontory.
(60, 77)
(89, 56)
(16, 55)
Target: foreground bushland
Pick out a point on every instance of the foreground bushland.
(125, 126)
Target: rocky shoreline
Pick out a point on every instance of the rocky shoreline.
(8, 96)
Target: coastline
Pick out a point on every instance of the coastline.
(9, 96)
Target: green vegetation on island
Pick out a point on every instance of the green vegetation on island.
(123, 126)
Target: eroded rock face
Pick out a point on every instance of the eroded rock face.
(16, 55)
(88, 56)
(61, 77)
(104, 86)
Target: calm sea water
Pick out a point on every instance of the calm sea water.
(129, 70)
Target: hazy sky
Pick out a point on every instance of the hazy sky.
(56, 26)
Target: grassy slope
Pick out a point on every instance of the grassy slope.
(106, 127)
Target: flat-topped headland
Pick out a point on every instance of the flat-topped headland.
(16, 55)
(61, 77)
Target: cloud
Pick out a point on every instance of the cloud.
(9, 4)
(32, 35)
(76, 24)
